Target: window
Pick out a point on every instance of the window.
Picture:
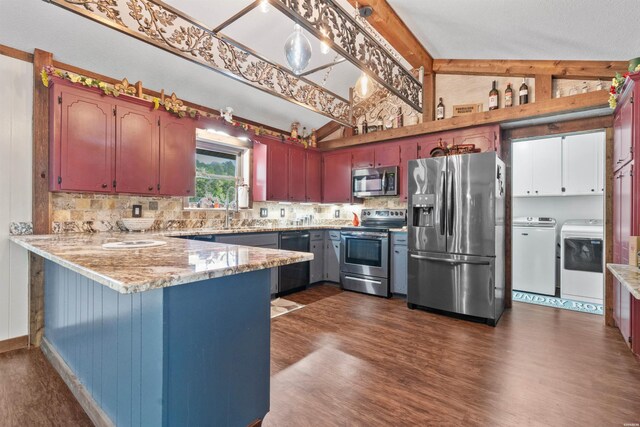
(216, 172)
(221, 161)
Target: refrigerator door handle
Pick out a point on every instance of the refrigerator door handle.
(449, 260)
(443, 195)
(450, 204)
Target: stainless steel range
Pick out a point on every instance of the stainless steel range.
(364, 253)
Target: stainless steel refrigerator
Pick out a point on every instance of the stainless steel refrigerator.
(456, 235)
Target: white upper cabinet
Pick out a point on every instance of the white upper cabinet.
(582, 164)
(522, 168)
(547, 167)
(571, 165)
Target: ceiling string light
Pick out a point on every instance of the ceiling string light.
(297, 50)
(264, 6)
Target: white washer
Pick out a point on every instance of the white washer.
(533, 255)
(581, 274)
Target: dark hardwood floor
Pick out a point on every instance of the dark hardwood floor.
(348, 359)
(32, 393)
(352, 359)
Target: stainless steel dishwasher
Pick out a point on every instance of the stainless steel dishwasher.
(294, 276)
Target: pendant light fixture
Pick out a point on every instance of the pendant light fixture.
(264, 6)
(297, 50)
(324, 46)
(364, 86)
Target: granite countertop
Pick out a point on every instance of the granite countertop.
(243, 230)
(177, 262)
(628, 275)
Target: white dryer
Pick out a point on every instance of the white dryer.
(582, 253)
(533, 255)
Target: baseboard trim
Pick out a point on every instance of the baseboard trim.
(82, 395)
(14, 344)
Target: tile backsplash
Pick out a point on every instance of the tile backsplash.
(76, 212)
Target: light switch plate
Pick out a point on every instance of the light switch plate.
(264, 212)
(282, 212)
(336, 213)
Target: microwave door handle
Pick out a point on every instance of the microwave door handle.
(451, 204)
(384, 181)
(443, 194)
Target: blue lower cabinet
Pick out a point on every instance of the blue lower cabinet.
(189, 355)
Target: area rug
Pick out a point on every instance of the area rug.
(280, 306)
(567, 304)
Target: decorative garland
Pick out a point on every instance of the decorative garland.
(616, 86)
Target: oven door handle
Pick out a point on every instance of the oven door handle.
(358, 279)
(449, 260)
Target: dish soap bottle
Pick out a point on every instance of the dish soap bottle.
(356, 220)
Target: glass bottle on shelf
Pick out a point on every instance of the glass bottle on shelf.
(493, 97)
(508, 96)
(440, 110)
(524, 93)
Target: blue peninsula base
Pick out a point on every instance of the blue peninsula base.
(188, 355)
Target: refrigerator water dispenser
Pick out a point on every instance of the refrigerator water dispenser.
(423, 210)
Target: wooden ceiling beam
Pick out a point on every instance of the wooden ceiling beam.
(327, 129)
(540, 109)
(559, 69)
(387, 22)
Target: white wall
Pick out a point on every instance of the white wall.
(15, 191)
(561, 208)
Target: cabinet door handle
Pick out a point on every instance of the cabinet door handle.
(104, 185)
(397, 252)
(151, 188)
(188, 191)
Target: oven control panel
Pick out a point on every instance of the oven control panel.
(384, 213)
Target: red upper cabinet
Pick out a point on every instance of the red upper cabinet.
(297, 175)
(314, 176)
(100, 144)
(485, 138)
(387, 154)
(177, 156)
(408, 151)
(623, 129)
(137, 149)
(277, 172)
(427, 144)
(82, 149)
(336, 177)
(259, 175)
(363, 158)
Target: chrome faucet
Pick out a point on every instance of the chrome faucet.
(227, 224)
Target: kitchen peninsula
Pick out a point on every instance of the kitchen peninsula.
(173, 334)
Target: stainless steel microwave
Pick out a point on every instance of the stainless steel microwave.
(375, 182)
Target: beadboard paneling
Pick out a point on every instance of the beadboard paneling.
(15, 192)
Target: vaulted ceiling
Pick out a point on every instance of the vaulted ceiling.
(469, 29)
(524, 29)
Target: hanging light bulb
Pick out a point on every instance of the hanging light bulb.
(364, 86)
(264, 6)
(324, 46)
(297, 50)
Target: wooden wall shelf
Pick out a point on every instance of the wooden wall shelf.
(570, 104)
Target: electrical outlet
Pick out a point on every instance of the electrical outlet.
(136, 211)
(336, 213)
(264, 212)
(282, 212)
